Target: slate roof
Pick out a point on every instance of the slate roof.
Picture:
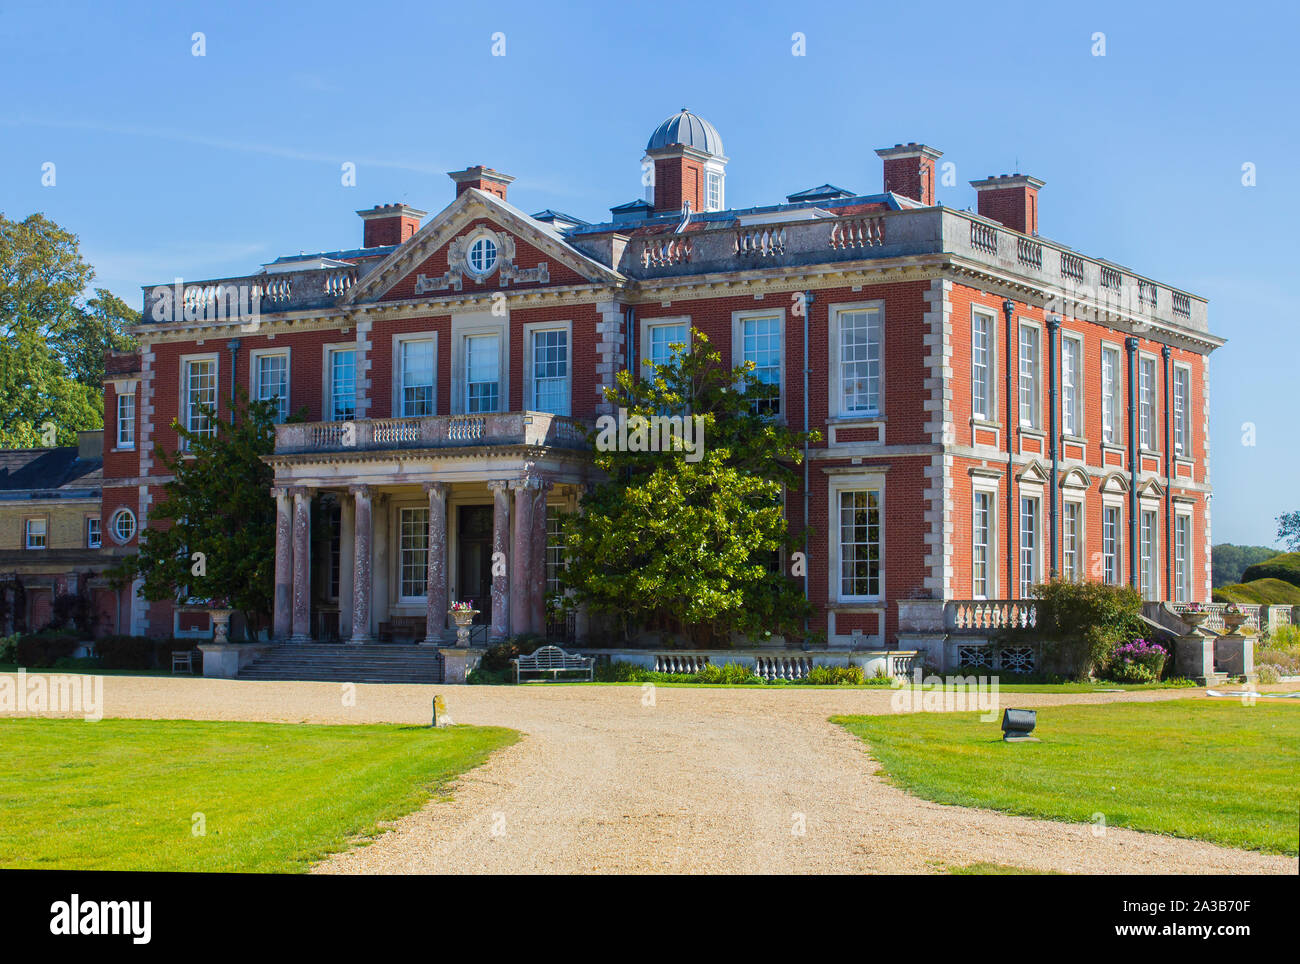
(33, 473)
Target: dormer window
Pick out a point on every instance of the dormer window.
(482, 256)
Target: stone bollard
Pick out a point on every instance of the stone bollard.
(1194, 657)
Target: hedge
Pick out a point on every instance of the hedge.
(1285, 567)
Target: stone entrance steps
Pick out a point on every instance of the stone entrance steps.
(337, 663)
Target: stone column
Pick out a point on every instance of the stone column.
(500, 574)
(521, 556)
(282, 606)
(301, 565)
(436, 577)
(361, 565)
(347, 548)
(537, 580)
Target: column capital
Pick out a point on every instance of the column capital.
(436, 488)
(361, 491)
(299, 491)
(280, 491)
(498, 484)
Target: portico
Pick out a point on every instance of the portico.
(380, 536)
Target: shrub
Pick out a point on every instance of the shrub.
(9, 648)
(498, 656)
(730, 674)
(1080, 623)
(73, 612)
(44, 649)
(1285, 567)
(1267, 673)
(618, 672)
(479, 676)
(836, 676)
(126, 652)
(1136, 662)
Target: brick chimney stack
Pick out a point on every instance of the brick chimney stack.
(387, 224)
(1010, 199)
(909, 170)
(679, 178)
(483, 178)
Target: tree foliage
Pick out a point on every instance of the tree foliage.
(1288, 530)
(52, 339)
(1080, 623)
(692, 545)
(218, 505)
(1229, 562)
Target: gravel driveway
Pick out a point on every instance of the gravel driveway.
(699, 780)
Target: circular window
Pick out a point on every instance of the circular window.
(123, 525)
(482, 256)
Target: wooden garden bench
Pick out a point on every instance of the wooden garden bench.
(183, 659)
(553, 660)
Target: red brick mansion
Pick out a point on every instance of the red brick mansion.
(994, 407)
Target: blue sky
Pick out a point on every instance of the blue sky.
(169, 164)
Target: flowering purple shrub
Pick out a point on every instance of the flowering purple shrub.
(1136, 662)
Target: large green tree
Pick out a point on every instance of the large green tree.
(52, 338)
(690, 540)
(212, 537)
(1288, 530)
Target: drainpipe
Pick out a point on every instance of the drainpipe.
(233, 345)
(808, 299)
(1053, 332)
(1131, 347)
(1169, 472)
(629, 320)
(1008, 309)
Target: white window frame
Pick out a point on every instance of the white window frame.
(1182, 556)
(1027, 576)
(1149, 551)
(466, 326)
(113, 531)
(1078, 571)
(1147, 420)
(1034, 376)
(30, 535)
(126, 421)
(255, 376)
(1117, 537)
(531, 330)
(856, 483)
(399, 372)
(399, 521)
(94, 532)
(1112, 433)
(738, 321)
(1072, 382)
(647, 326)
(990, 491)
(327, 377)
(1182, 410)
(836, 387)
(184, 414)
(984, 409)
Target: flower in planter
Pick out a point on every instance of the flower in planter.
(1233, 608)
(1194, 607)
(466, 606)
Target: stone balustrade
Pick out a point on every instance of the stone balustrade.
(432, 431)
(982, 615)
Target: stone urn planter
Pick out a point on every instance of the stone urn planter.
(220, 625)
(464, 619)
(1194, 617)
(1233, 620)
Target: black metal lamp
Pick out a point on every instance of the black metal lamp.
(1018, 724)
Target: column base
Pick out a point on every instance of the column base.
(359, 640)
(300, 638)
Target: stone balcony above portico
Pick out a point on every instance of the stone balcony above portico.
(529, 429)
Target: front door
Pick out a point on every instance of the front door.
(474, 555)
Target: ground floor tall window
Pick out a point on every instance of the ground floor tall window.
(860, 558)
(983, 530)
(1147, 549)
(554, 551)
(414, 526)
(1070, 540)
(1183, 557)
(1028, 543)
(1110, 532)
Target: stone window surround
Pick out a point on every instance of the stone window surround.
(327, 381)
(184, 383)
(529, 330)
(113, 528)
(643, 336)
(1036, 410)
(864, 481)
(1120, 413)
(396, 369)
(479, 323)
(1153, 506)
(834, 395)
(1154, 359)
(738, 319)
(1186, 454)
(989, 418)
(254, 386)
(86, 528)
(991, 485)
(1080, 383)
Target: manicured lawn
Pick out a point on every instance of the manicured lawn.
(1208, 769)
(124, 794)
(87, 671)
